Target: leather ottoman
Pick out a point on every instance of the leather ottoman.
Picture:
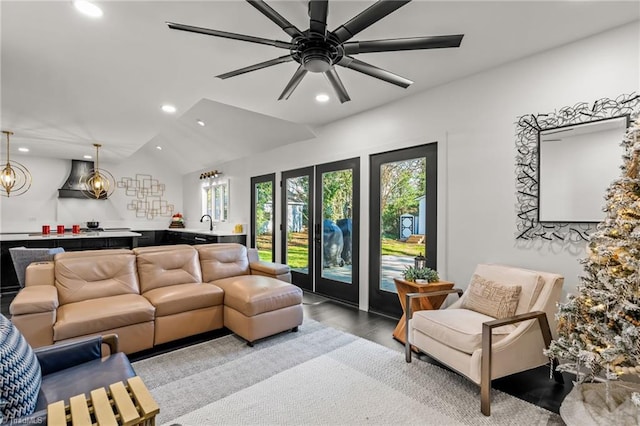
(256, 306)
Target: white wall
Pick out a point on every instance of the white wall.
(41, 205)
(473, 121)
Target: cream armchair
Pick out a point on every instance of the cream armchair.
(498, 327)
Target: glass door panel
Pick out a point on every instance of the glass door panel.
(336, 229)
(262, 201)
(403, 219)
(297, 229)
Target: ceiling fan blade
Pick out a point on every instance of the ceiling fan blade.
(374, 71)
(393, 45)
(256, 67)
(318, 16)
(278, 19)
(293, 83)
(337, 85)
(234, 36)
(368, 17)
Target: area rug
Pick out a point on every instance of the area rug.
(318, 376)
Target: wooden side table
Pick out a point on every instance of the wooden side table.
(128, 405)
(418, 304)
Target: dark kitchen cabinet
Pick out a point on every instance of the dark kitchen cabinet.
(150, 238)
(177, 237)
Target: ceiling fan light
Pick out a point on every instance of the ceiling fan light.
(317, 65)
(87, 8)
(316, 60)
(322, 97)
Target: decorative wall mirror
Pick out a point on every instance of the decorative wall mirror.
(565, 162)
(577, 163)
(215, 199)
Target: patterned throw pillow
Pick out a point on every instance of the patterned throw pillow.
(490, 298)
(20, 375)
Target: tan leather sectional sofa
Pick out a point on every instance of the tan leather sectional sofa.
(153, 295)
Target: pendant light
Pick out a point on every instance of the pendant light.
(14, 178)
(98, 183)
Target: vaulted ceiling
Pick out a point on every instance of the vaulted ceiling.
(69, 81)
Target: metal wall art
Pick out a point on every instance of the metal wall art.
(148, 193)
(527, 179)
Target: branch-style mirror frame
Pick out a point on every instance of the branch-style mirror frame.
(527, 184)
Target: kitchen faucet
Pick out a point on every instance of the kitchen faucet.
(210, 221)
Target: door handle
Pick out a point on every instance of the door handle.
(317, 237)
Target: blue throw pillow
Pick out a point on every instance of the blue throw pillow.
(20, 376)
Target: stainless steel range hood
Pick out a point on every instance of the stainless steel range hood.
(72, 188)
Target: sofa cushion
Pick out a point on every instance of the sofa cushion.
(174, 299)
(162, 268)
(269, 268)
(460, 329)
(490, 298)
(222, 261)
(101, 314)
(255, 294)
(35, 299)
(95, 275)
(20, 377)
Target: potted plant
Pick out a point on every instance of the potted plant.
(420, 275)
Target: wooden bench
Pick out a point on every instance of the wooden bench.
(130, 404)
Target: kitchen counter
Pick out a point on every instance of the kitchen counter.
(37, 236)
(204, 232)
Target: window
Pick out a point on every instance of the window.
(215, 200)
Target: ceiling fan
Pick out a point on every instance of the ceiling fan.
(319, 50)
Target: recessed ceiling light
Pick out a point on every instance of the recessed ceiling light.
(88, 8)
(200, 122)
(22, 149)
(159, 148)
(88, 157)
(168, 108)
(322, 97)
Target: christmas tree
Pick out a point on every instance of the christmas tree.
(599, 328)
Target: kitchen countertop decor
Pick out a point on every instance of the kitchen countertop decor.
(35, 236)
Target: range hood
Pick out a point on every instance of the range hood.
(72, 188)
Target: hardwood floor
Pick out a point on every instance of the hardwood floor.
(533, 386)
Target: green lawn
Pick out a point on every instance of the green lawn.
(399, 248)
(298, 251)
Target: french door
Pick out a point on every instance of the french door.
(403, 222)
(320, 228)
(336, 230)
(297, 225)
(262, 216)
